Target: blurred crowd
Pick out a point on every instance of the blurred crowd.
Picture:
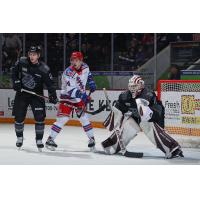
(130, 50)
(11, 48)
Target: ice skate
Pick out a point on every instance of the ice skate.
(19, 142)
(40, 145)
(177, 153)
(50, 144)
(91, 144)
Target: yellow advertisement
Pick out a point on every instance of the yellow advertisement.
(189, 104)
(190, 120)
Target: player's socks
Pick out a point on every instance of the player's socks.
(19, 128)
(89, 131)
(55, 130)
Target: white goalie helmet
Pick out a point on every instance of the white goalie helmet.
(135, 85)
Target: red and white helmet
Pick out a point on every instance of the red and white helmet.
(76, 55)
(135, 85)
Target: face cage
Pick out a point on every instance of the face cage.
(134, 89)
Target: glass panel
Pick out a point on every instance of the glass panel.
(132, 50)
(11, 50)
(34, 39)
(55, 52)
(72, 44)
(96, 48)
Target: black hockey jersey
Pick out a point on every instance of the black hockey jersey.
(33, 76)
(126, 103)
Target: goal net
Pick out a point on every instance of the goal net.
(181, 99)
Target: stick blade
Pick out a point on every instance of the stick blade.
(133, 154)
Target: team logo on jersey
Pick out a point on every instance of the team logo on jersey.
(38, 75)
(50, 76)
(128, 104)
(189, 104)
(28, 81)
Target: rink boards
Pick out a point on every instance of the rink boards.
(98, 99)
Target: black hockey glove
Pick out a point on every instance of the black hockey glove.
(53, 98)
(17, 85)
(133, 112)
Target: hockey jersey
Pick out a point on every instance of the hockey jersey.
(74, 80)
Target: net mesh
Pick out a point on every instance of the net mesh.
(181, 100)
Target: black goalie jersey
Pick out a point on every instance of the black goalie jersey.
(126, 103)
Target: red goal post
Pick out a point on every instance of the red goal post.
(181, 99)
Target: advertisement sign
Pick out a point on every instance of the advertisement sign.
(98, 99)
(182, 109)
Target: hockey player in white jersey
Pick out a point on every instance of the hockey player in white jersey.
(136, 110)
(73, 97)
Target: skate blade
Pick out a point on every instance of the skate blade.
(40, 149)
(50, 148)
(93, 149)
(19, 148)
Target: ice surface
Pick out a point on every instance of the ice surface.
(72, 149)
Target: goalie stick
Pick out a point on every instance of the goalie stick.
(118, 133)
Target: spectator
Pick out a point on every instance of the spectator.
(139, 57)
(174, 73)
(11, 48)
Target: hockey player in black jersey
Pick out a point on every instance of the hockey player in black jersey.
(136, 110)
(31, 74)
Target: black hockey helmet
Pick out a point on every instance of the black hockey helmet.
(36, 49)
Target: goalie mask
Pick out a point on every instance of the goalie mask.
(135, 85)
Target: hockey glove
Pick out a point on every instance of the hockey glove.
(92, 86)
(91, 82)
(53, 98)
(134, 112)
(17, 85)
(85, 98)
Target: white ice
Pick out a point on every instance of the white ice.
(72, 149)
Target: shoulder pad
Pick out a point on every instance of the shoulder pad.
(23, 60)
(43, 67)
(84, 66)
(69, 72)
(147, 94)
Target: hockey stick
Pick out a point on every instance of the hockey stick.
(118, 133)
(33, 93)
(45, 97)
(96, 111)
(79, 115)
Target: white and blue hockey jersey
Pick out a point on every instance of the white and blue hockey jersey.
(74, 80)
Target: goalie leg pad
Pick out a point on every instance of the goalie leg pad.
(159, 137)
(129, 131)
(110, 144)
(114, 119)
